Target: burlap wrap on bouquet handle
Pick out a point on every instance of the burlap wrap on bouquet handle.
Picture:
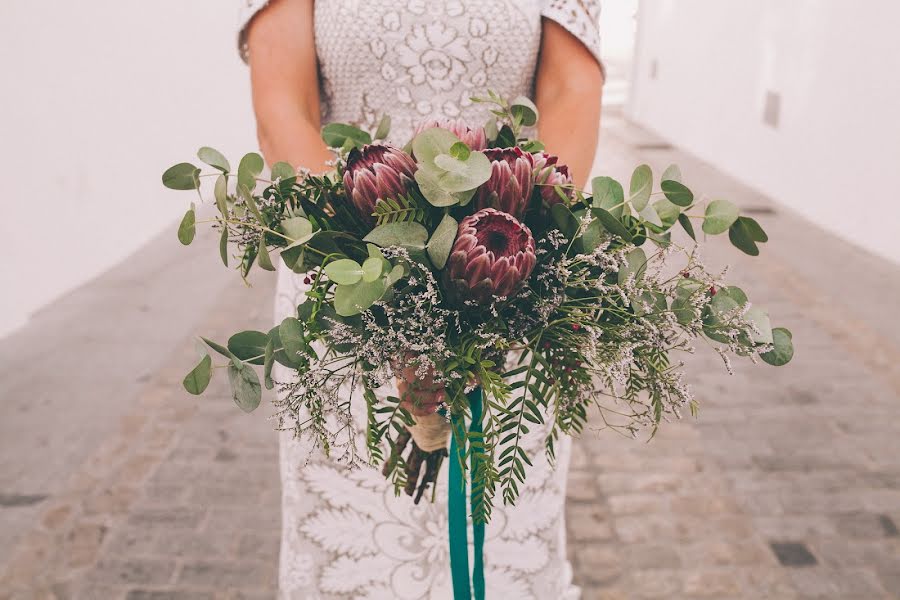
(431, 432)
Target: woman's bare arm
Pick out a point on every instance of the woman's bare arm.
(284, 80)
(568, 86)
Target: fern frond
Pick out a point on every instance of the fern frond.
(403, 209)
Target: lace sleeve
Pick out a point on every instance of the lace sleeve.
(248, 10)
(581, 18)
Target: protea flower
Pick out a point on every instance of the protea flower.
(377, 171)
(512, 180)
(492, 255)
(474, 138)
(549, 173)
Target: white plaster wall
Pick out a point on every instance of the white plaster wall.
(98, 98)
(835, 155)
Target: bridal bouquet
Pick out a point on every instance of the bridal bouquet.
(469, 258)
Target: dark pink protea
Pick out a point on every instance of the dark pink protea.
(473, 137)
(549, 173)
(511, 183)
(377, 171)
(492, 255)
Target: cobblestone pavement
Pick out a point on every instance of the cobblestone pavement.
(787, 486)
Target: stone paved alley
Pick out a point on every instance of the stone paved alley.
(115, 484)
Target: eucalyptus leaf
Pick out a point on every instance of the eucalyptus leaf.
(279, 354)
(594, 235)
(268, 363)
(607, 193)
(282, 171)
(223, 245)
(635, 265)
(505, 138)
(565, 220)
(430, 143)
(735, 293)
(407, 233)
(290, 333)
(187, 228)
(783, 350)
(649, 215)
(760, 319)
(460, 151)
(683, 309)
(739, 235)
(720, 214)
(641, 186)
(372, 268)
(686, 224)
(213, 158)
(431, 188)
(250, 167)
(441, 241)
(524, 109)
(384, 128)
(612, 224)
(344, 271)
(672, 173)
(668, 213)
(677, 193)
(245, 388)
(463, 174)
(221, 350)
(249, 346)
(396, 274)
(338, 135)
(220, 191)
(183, 176)
(197, 380)
(247, 196)
(351, 300)
(714, 317)
(754, 230)
(490, 129)
(298, 229)
(263, 259)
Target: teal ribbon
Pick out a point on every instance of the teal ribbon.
(456, 509)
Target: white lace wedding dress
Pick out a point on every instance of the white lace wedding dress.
(345, 534)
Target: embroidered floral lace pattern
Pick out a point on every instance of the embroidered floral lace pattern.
(345, 534)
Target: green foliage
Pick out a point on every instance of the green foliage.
(408, 234)
(441, 241)
(342, 135)
(245, 388)
(213, 158)
(197, 380)
(187, 229)
(384, 127)
(524, 111)
(677, 193)
(641, 187)
(250, 167)
(720, 214)
(783, 350)
(283, 170)
(183, 176)
(344, 271)
(248, 346)
(608, 194)
(398, 210)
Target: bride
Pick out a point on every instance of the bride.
(344, 533)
